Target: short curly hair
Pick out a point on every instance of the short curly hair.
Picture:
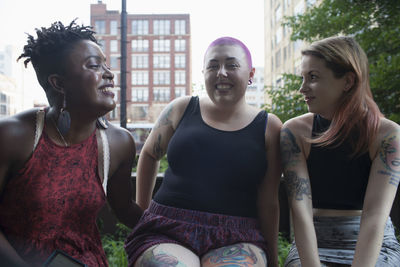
(48, 51)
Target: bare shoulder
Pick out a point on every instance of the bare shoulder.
(300, 126)
(388, 133)
(387, 126)
(18, 129)
(120, 138)
(274, 123)
(173, 112)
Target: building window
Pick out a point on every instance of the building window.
(161, 45)
(140, 77)
(278, 35)
(180, 91)
(140, 45)
(113, 62)
(113, 27)
(180, 61)
(299, 8)
(114, 46)
(140, 61)
(140, 94)
(3, 98)
(180, 27)
(102, 44)
(278, 14)
(278, 59)
(180, 45)
(161, 77)
(161, 61)
(140, 27)
(297, 45)
(140, 112)
(100, 26)
(161, 94)
(180, 77)
(3, 109)
(161, 27)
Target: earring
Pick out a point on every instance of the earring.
(64, 119)
(250, 82)
(102, 123)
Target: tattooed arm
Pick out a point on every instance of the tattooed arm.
(381, 191)
(155, 148)
(299, 190)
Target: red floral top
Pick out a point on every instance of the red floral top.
(53, 203)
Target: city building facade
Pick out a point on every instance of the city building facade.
(158, 59)
(255, 91)
(281, 54)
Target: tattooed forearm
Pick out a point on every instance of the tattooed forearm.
(289, 148)
(164, 118)
(389, 154)
(297, 186)
(157, 148)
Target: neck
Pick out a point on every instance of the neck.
(80, 129)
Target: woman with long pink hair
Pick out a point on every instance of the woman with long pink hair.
(341, 163)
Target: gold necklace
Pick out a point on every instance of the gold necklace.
(59, 133)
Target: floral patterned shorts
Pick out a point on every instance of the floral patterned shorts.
(196, 230)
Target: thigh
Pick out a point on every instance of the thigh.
(240, 254)
(168, 255)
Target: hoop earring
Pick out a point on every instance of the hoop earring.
(64, 119)
(250, 82)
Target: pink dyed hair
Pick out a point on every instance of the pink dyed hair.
(232, 41)
(357, 117)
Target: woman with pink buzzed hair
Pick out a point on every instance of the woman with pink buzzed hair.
(218, 203)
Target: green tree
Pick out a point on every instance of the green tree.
(375, 25)
(286, 102)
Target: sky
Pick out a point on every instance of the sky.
(210, 19)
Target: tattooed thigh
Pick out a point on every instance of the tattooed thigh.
(168, 255)
(240, 255)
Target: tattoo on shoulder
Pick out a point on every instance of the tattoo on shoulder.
(389, 153)
(297, 186)
(289, 148)
(164, 118)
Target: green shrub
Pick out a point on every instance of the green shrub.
(283, 249)
(114, 246)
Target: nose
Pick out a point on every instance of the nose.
(108, 74)
(222, 72)
(303, 87)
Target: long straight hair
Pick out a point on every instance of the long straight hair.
(356, 119)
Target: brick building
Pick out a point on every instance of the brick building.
(158, 59)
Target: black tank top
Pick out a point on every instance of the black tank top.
(213, 170)
(337, 181)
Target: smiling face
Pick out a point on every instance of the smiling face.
(226, 73)
(321, 89)
(87, 80)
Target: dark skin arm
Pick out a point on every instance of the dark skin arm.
(119, 189)
(16, 149)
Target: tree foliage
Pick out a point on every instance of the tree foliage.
(286, 102)
(375, 25)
